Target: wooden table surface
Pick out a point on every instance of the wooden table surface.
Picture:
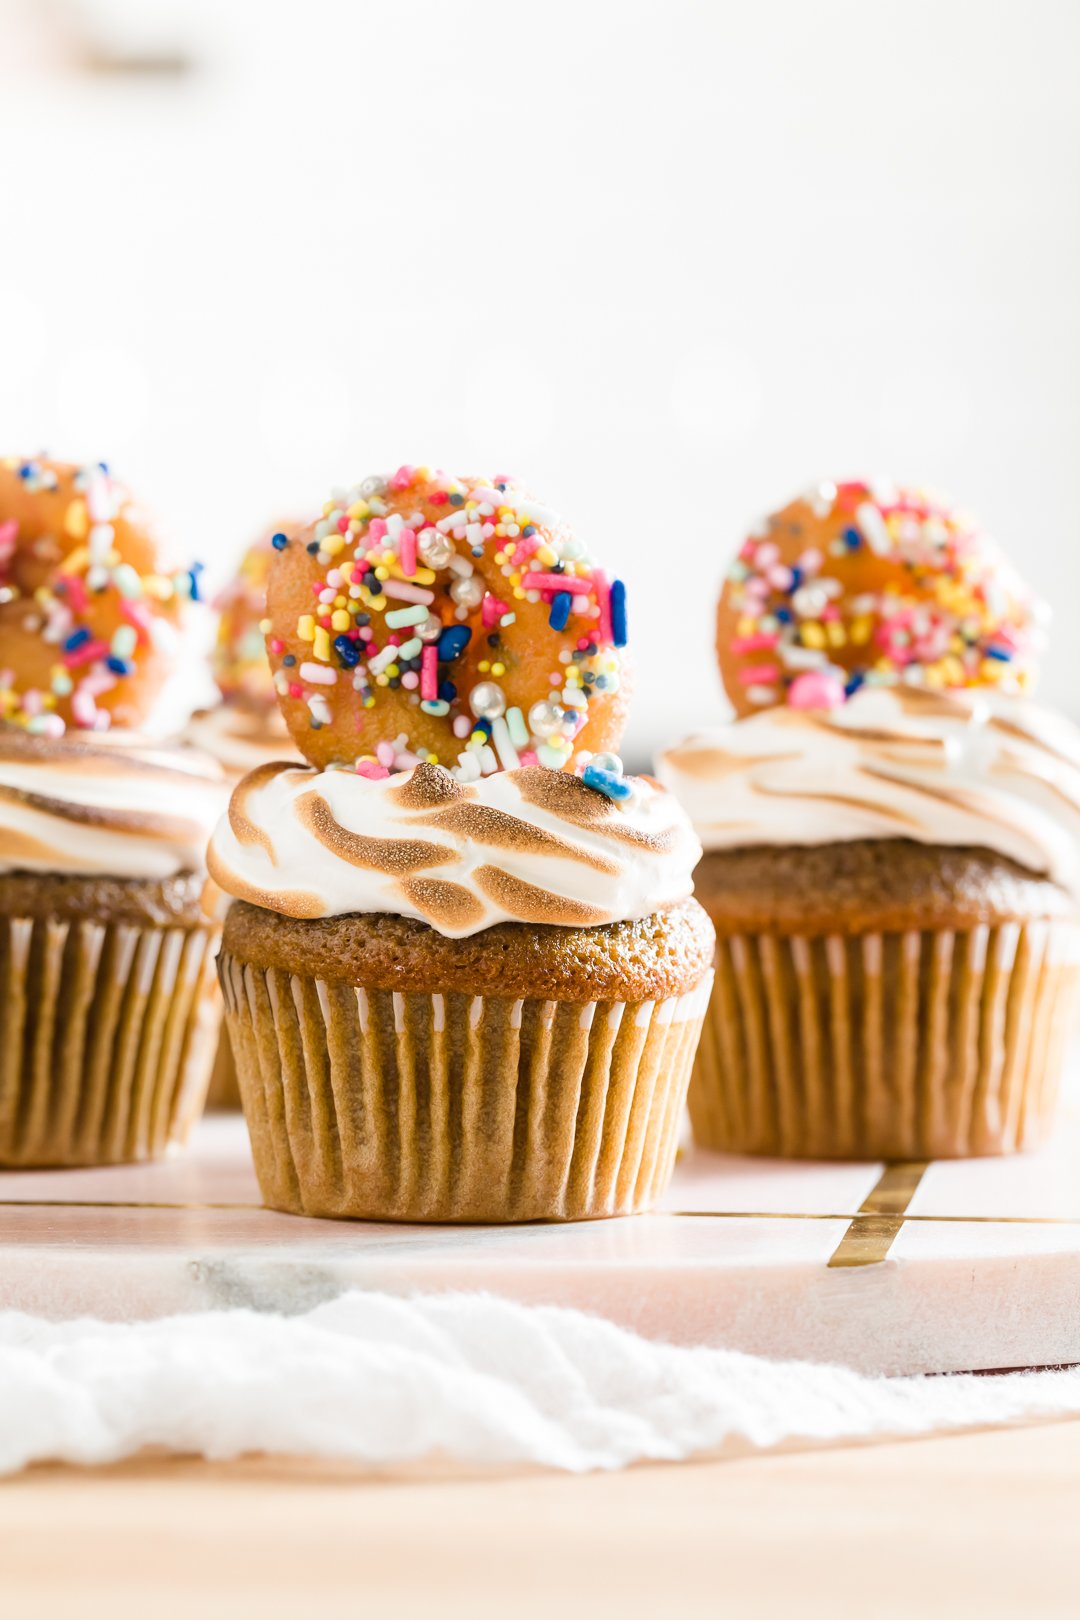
(980, 1524)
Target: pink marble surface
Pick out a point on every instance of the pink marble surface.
(738, 1256)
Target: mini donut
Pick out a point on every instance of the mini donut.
(452, 620)
(239, 660)
(88, 622)
(862, 584)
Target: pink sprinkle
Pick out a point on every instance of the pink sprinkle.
(295, 689)
(759, 642)
(376, 529)
(759, 674)
(84, 710)
(492, 610)
(398, 591)
(429, 674)
(403, 478)
(365, 634)
(407, 551)
(384, 753)
(766, 555)
(603, 597)
(8, 534)
(276, 645)
(560, 582)
(462, 726)
(583, 643)
(527, 757)
(816, 689)
(410, 680)
(373, 772)
(88, 653)
(75, 592)
(781, 577)
(811, 560)
(343, 524)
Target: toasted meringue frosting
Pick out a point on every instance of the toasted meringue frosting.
(123, 807)
(970, 768)
(529, 845)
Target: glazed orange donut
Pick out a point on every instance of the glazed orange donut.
(425, 617)
(88, 624)
(860, 584)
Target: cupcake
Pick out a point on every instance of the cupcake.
(891, 830)
(108, 1001)
(461, 982)
(244, 728)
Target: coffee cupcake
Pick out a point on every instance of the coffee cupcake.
(463, 974)
(460, 1001)
(891, 834)
(110, 1010)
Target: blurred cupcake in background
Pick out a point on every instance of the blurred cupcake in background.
(109, 1009)
(243, 729)
(892, 842)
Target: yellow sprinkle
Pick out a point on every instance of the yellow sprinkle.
(519, 594)
(382, 680)
(76, 522)
(340, 620)
(498, 669)
(483, 666)
(392, 670)
(321, 648)
(546, 556)
(332, 545)
(835, 632)
(500, 557)
(382, 572)
(305, 627)
(812, 635)
(861, 630)
(359, 509)
(265, 626)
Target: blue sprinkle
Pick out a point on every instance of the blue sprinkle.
(279, 542)
(852, 686)
(26, 471)
(457, 500)
(618, 618)
(453, 642)
(607, 783)
(347, 651)
(783, 614)
(447, 691)
(193, 574)
(78, 639)
(1002, 654)
(852, 539)
(796, 579)
(560, 610)
(119, 666)
(528, 531)
(289, 660)
(483, 724)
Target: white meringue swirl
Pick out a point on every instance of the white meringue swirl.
(531, 845)
(121, 807)
(970, 768)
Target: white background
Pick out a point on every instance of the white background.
(667, 260)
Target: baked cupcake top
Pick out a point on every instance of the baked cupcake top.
(969, 768)
(121, 808)
(528, 845)
(239, 738)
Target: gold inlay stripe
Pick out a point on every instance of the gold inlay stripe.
(874, 1228)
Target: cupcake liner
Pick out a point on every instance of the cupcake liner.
(919, 1045)
(108, 1033)
(388, 1106)
(224, 1091)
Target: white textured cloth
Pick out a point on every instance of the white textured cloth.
(380, 1379)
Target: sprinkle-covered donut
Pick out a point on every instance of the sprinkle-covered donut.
(860, 584)
(448, 620)
(88, 623)
(239, 660)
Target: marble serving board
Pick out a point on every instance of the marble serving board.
(887, 1268)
